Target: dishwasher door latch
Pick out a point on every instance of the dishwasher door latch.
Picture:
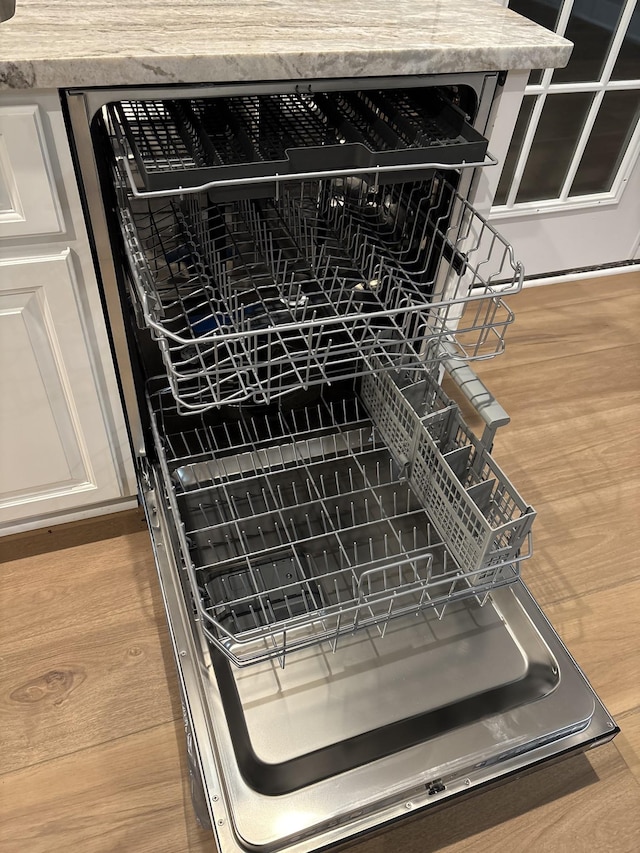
(435, 787)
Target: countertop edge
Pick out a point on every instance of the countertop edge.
(253, 67)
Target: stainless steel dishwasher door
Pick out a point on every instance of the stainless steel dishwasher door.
(491, 693)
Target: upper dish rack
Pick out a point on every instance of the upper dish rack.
(250, 140)
(253, 299)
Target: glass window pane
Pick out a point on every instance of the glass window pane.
(543, 12)
(562, 119)
(591, 27)
(522, 122)
(627, 65)
(617, 117)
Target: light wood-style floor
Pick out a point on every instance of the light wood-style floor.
(91, 739)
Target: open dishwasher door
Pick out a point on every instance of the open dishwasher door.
(339, 554)
(340, 668)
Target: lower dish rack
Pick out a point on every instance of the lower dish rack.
(301, 526)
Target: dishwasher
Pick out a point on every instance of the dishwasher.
(289, 270)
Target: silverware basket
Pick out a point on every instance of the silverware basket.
(477, 511)
(469, 499)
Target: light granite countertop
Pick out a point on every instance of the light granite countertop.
(52, 44)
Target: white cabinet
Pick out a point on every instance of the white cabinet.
(29, 203)
(64, 449)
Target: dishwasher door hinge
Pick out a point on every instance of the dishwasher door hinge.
(148, 492)
(152, 508)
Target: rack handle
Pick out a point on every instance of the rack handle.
(223, 183)
(373, 583)
(476, 392)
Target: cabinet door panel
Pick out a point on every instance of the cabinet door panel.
(54, 450)
(29, 204)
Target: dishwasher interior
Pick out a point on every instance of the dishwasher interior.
(339, 553)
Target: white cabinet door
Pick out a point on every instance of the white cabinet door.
(55, 453)
(29, 203)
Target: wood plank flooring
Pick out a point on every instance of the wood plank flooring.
(91, 737)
